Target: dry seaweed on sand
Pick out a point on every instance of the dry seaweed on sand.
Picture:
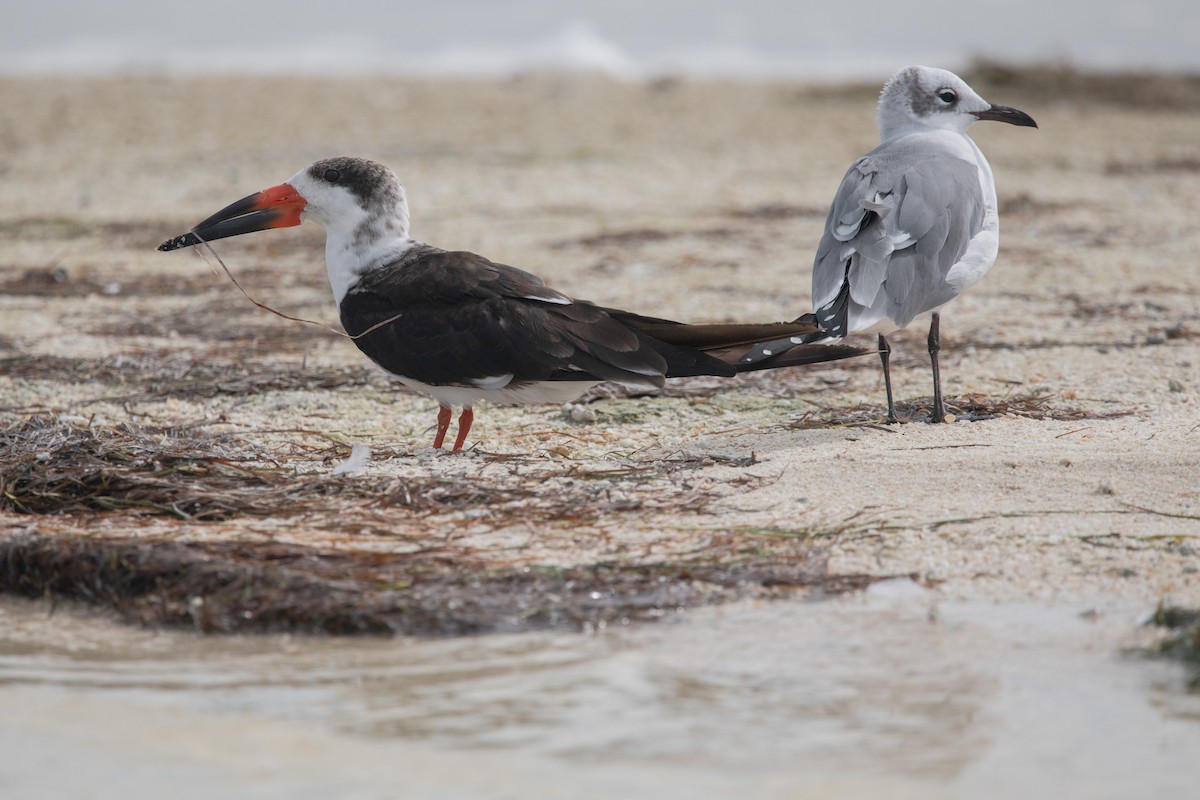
(965, 408)
(226, 587)
(1182, 637)
(52, 467)
(422, 581)
(1183, 641)
(49, 466)
(1060, 82)
(152, 377)
(1053, 82)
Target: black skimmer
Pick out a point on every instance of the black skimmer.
(460, 328)
(914, 223)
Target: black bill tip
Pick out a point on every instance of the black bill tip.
(179, 242)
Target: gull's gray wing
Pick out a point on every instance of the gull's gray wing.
(902, 218)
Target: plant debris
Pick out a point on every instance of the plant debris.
(236, 587)
(154, 378)
(49, 467)
(777, 211)
(965, 408)
(1169, 165)
(1054, 82)
(1182, 640)
(639, 236)
(423, 580)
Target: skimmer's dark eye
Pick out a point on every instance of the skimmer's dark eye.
(332, 175)
(947, 96)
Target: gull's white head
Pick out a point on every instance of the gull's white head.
(926, 98)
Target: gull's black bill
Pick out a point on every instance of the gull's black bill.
(1012, 116)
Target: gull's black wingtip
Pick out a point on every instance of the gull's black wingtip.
(179, 242)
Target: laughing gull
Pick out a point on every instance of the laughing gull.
(460, 328)
(914, 223)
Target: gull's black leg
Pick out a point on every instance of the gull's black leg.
(935, 346)
(885, 358)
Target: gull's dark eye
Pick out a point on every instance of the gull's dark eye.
(947, 96)
(332, 175)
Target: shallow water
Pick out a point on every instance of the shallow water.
(754, 38)
(887, 693)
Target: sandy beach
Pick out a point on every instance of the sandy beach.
(1069, 475)
(976, 591)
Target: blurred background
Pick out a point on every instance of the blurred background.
(629, 38)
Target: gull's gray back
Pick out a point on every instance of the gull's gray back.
(902, 218)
